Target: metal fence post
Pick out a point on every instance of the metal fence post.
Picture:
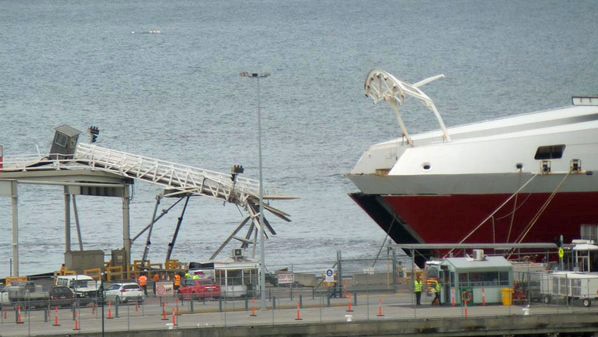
(191, 305)
(273, 302)
(339, 284)
(395, 275)
(300, 301)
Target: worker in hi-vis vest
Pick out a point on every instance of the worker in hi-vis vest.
(418, 286)
(177, 281)
(437, 290)
(142, 280)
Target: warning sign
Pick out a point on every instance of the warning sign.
(329, 276)
(164, 289)
(285, 278)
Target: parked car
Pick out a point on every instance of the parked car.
(84, 287)
(125, 292)
(61, 296)
(196, 289)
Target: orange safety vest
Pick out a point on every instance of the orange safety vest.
(142, 280)
(177, 280)
(156, 277)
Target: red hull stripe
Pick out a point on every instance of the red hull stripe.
(450, 218)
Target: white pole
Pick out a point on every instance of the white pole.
(261, 191)
(261, 196)
(15, 228)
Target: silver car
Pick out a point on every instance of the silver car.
(125, 292)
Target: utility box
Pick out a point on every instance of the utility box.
(64, 143)
(79, 260)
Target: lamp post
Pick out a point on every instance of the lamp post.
(257, 76)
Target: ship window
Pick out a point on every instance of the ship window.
(550, 152)
(60, 139)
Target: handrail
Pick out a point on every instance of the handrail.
(171, 175)
(183, 178)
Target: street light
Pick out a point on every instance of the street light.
(257, 76)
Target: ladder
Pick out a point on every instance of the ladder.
(172, 176)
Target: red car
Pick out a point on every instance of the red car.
(196, 289)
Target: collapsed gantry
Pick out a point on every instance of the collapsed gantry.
(178, 180)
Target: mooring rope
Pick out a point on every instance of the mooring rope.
(495, 211)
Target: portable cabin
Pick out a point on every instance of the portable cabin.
(65, 142)
(476, 280)
(237, 276)
(586, 256)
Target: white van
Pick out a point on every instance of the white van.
(85, 287)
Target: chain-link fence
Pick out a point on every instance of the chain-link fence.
(357, 290)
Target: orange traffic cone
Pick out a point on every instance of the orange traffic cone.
(164, 318)
(350, 308)
(253, 308)
(298, 318)
(380, 309)
(109, 311)
(77, 324)
(56, 320)
(19, 316)
(174, 323)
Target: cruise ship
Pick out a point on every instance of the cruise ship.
(521, 179)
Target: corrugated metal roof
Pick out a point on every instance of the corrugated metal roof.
(469, 264)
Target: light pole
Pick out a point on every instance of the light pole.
(257, 76)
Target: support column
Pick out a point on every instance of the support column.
(67, 220)
(77, 224)
(126, 229)
(15, 227)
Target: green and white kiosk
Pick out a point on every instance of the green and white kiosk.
(475, 280)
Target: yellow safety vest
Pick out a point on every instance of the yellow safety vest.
(438, 287)
(418, 286)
